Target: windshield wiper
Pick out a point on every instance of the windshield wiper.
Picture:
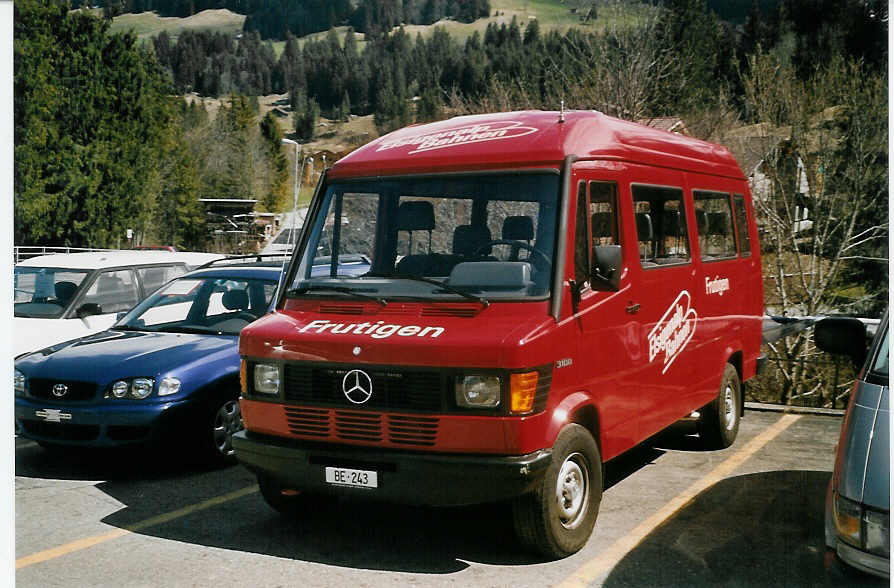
(443, 285)
(188, 330)
(331, 288)
(129, 328)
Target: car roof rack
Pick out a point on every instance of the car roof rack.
(256, 258)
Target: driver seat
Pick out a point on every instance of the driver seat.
(65, 292)
(518, 228)
(235, 300)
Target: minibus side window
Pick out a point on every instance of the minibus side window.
(742, 226)
(604, 213)
(660, 225)
(601, 216)
(714, 219)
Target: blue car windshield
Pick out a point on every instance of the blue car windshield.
(201, 305)
(444, 238)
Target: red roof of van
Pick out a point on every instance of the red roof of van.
(529, 139)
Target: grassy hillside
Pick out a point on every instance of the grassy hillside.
(551, 14)
(149, 24)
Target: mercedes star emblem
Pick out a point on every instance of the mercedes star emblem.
(357, 386)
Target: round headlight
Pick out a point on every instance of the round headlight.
(168, 386)
(142, 387)
(478, 391)
(119, 389)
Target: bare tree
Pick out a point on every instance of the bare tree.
(820, 195)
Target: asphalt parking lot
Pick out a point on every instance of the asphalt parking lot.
(671, 515)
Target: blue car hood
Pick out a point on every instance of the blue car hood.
(111, 355)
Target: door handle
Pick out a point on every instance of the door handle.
(632, 308)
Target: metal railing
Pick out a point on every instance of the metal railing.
(21, 252)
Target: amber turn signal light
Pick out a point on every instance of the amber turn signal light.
(522, 389)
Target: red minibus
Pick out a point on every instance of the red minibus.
(545, 291)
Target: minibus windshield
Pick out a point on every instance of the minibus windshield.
(458, 238)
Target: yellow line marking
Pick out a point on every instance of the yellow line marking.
(607, 559)
(79, 544)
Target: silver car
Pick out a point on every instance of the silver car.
(858, 499)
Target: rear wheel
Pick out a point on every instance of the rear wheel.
(719, 421)
(557, 519)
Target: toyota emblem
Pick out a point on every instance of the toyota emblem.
(357, 386)
(60, 390)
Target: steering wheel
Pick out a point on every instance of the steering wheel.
(536, 254)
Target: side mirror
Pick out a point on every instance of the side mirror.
(88, 309)
(606, 270)
(844, 336)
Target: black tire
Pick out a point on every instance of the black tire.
(292, 503)
(557, 530)
(719, 421)
(220, 422)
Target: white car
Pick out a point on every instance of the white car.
(289, 230)
(65, 296)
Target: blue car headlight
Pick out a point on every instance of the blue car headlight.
(135, 389)
(141, 388)
(120, 389)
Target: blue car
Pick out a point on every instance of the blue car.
(169, 367)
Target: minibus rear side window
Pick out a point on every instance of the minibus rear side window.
(660, 225)
(742, 226)
(714, 219)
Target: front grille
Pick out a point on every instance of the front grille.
(415, 391)
(77, 391)
(362, 427)
(61, 431)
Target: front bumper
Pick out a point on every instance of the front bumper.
(97, 425)
(867, 562)
(404, 477)
(857, 558)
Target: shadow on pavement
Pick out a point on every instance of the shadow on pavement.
(355, 534)
(721, 538)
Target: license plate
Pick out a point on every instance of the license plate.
(52, 415)
(356, 478)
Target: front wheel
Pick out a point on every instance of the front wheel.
(719, 422)
(557, 519)
(223, 419)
